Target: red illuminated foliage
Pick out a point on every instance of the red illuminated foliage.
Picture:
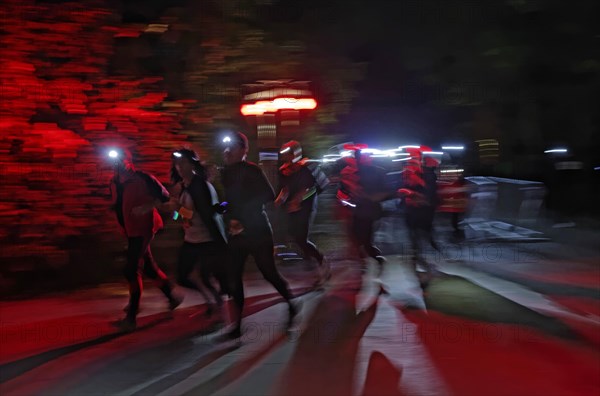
(59, 109)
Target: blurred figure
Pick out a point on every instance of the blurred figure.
(136, 195)
(345, 169)
(205, 241)
(247, 190)
(430, 165)
(298, 197)
(453, 196)
(366, 188)
(420, 199)
(348, 182)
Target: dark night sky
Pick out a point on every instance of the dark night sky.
(403, 41)
(394, 106)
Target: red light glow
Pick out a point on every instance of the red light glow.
(272, 106)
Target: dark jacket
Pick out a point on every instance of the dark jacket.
(301, 179)
(373, 190)
(208, 211)
(247, 190)
(430, 179)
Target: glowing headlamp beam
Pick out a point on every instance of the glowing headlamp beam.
(453, 147)
(559, 150)
(113, 154)
(409, 146)
(344, 202)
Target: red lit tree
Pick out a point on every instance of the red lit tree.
(59, 110)
(78, 78)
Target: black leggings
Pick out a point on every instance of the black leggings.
(140, 260)
(261, 248)
(455, 219)
(419, 222)
(299, 224)
(212, 259)
(361, 231)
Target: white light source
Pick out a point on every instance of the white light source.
(433, 153)
(113, 154)
(226, 139)
(453, 147)
(557, 150)
(177, 154)
(344, 202)
(409, 146)
(392, 153)
(370, 151)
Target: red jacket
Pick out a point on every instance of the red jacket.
(139, 189)
(453, 196)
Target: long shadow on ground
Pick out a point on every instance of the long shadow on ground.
(484, 344)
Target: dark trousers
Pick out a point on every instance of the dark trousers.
(211, 259)
(456, 218)
(260, 247)
(419, 222)
(298, 227)
(140, 261)
(361, 230)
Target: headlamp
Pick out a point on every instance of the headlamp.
(235, 139)
(114, 154)
(177, 154)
